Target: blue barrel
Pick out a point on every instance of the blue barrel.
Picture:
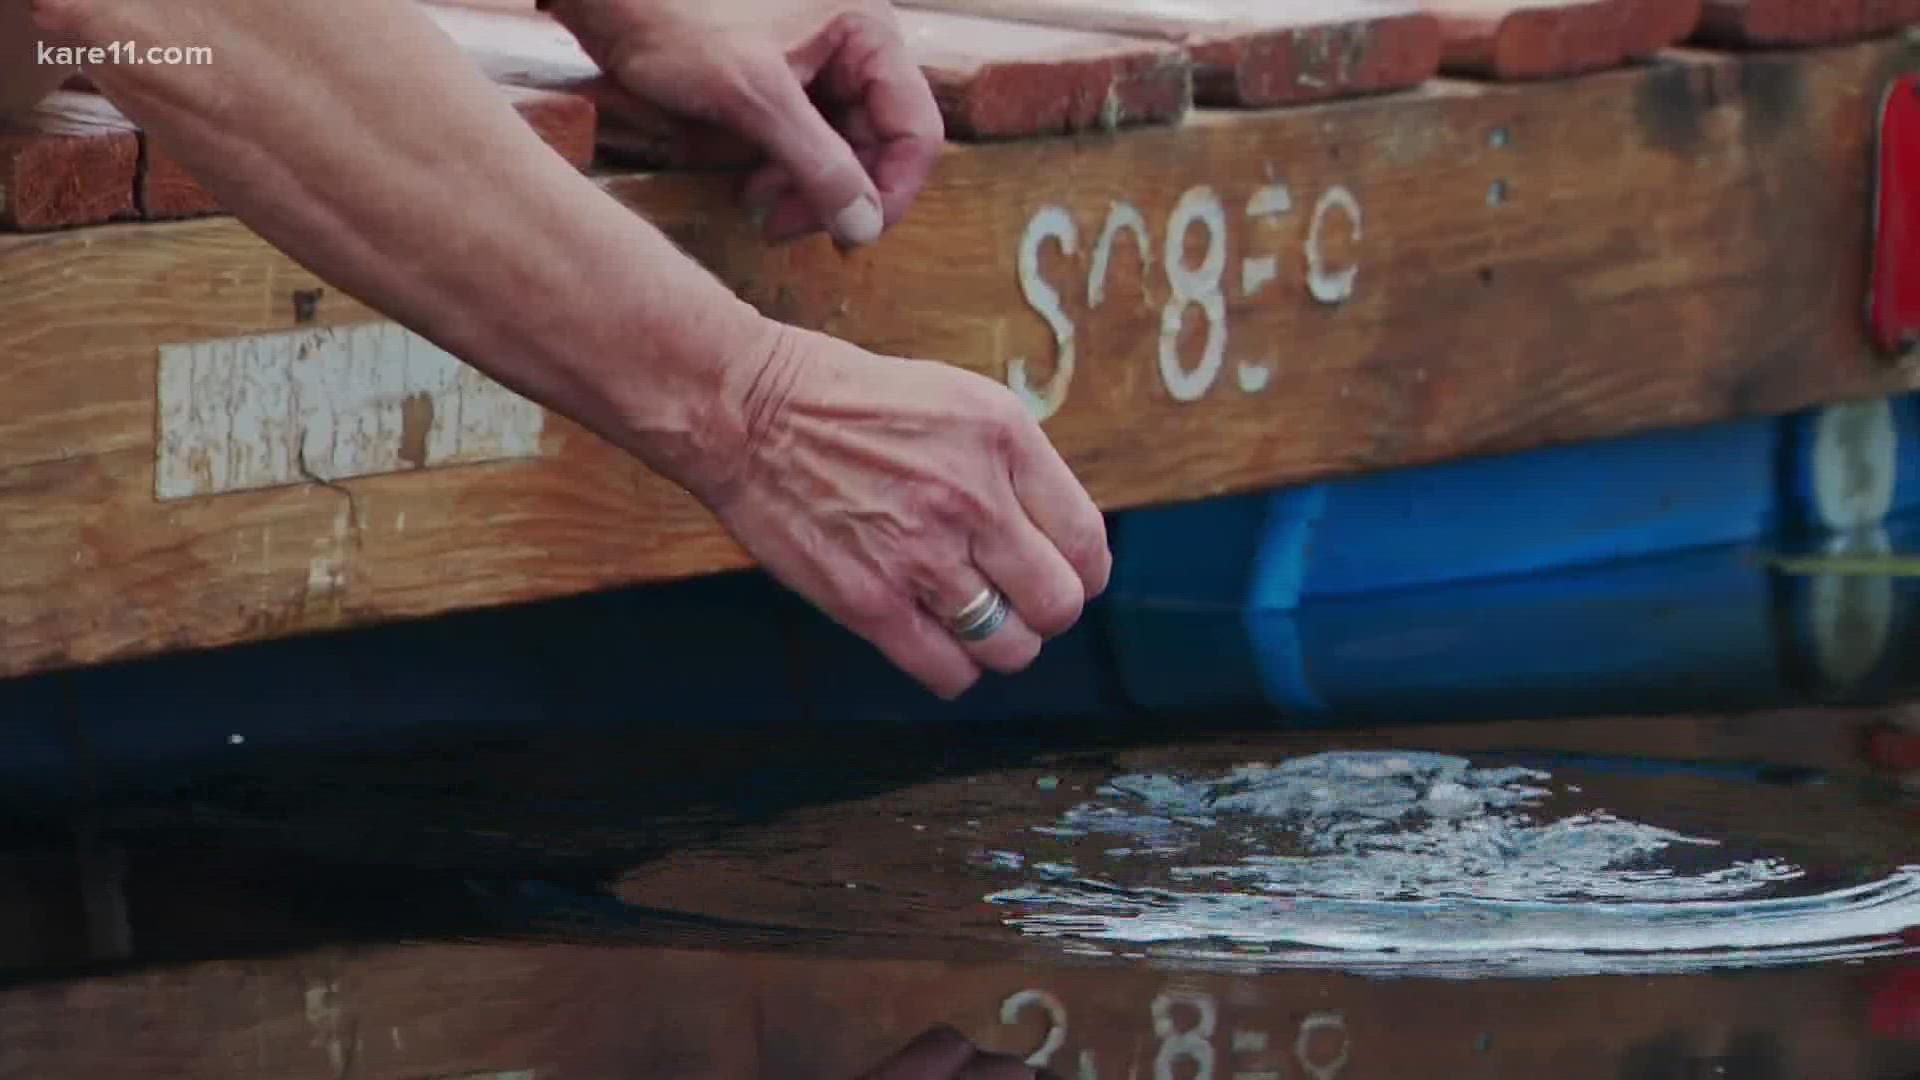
(1472, 519)
(1689, 630)
(1523, 513)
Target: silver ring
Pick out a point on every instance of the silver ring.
(982, 618)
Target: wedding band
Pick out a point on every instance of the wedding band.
(982, 618)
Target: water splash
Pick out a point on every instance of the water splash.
(1423, 863)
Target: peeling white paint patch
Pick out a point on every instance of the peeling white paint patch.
(1255, 377)
(245, 413)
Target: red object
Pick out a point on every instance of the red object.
(1895, 1013)
(1895, 751)
(1894, 306)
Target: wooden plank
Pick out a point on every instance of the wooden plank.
(1370, 284)
(566, 122)
(579, 1012)
(1538, 39)
(69, 162)
(1257, 52)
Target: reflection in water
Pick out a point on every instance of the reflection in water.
(791, 876)
(1410, 862)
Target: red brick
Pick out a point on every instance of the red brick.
(1884, 15)
(1257, 52)
(70, 162)
(998, 79)
(564, 121)
(1653, 25)
(1782, 22)
(1534, 39)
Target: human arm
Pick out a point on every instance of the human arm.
(347, 134)
(24, 81)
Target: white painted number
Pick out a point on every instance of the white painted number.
(1303, 1046)
(1193, 288)
(1194, 1044)
(1011, 1009)
(1051, 223)
(1331, 286)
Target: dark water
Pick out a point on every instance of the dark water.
(572, 842)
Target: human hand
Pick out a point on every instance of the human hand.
(891, 492)
(850, 158)
(944, 1054)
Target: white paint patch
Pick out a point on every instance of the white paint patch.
(1051, 223)
(1332, 286)
(1195, 287)
(325, 1019)
(1852, 616)
(256, 412)
(1271, 201)
(1855, 464)
(1255, 377)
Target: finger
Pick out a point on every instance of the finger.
(936, 1054)
(891, 107)
(1011, 647)
(1060, 506)
(774, 110)
(918, 645)
(1043, 587)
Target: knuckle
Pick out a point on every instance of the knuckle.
(1056, 613)
(867, 603)
(1085, 547)
(943, 505)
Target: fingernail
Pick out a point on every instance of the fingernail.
(859, 223)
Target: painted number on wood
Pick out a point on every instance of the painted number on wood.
(1186, 1027)
(1196, 285)
(328, 404)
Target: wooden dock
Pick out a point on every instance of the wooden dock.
(1413, 233)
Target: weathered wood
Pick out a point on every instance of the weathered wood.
(564, 121)
(1363, 285)
(1536, 39)
(69, 162)
(581, 1013)
(1257, 52)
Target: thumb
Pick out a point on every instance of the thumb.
(773, 110)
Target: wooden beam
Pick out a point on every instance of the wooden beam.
(69, 162)
(507, 1011)
(1255, 52)
(1377, 283)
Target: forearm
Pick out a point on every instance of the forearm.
(24, 81)
(355, 137)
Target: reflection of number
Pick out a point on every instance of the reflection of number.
(1303, 1047)
(1194, 1044)
(1011, 1008)
(1195, 287)
(1051, 223)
